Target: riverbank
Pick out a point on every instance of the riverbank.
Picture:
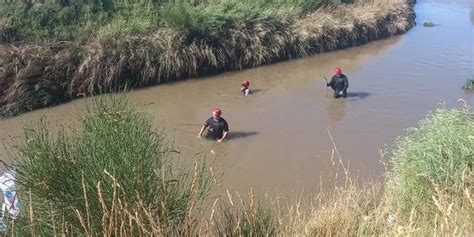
(40, 75)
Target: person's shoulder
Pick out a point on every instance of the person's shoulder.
(223, 120)
(343, 75)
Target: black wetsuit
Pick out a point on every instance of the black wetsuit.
(216, 128)
(339, 84)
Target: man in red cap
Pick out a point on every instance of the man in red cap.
(245, 89)
(339, 83)
(218, 127)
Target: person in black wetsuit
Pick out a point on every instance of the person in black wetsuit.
(218, 127)
(339, 83)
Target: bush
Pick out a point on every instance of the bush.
(113, 168)
(469, 84)
(430, 160)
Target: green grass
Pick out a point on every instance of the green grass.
(432, 159)
(112, 159)
(469, 84)
(78, 20)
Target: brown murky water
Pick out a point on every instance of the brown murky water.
(280, 134)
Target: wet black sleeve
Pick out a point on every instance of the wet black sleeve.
(346, 83)
(226, 127)
(331, 83)
(207, 123)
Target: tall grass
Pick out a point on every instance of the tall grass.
(110, 173)
(236, 217)
(431, 164)
(72, 20)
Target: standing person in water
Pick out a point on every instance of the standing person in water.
(339, 83)
(245, 89)
(218, 127)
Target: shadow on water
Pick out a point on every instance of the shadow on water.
(237, 135)
(336, 109)
(357, 95)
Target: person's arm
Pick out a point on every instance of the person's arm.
(346, 83)
(224, 134)
(203, 128)
(331, 83)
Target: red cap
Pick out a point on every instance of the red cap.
(246, 83)
(337, 71)
(216, 112)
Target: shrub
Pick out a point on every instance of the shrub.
(469, 84)
(113, 168)
(432, 158)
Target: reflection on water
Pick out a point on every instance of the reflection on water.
(336, 110)
(472, 12)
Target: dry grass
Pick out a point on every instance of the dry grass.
(344, 26)
(350, 209)
(119, 217)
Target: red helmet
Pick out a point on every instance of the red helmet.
(246, 83)
(216, 112)
(337, 71)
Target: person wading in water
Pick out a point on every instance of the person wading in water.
(218, 127)
(338, 83)
(245, 89)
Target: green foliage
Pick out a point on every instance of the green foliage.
(469, 84)
(113, 153)
(434, 155)
(76, 20)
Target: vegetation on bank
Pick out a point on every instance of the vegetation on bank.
(469, 84)
(432, 171)
(79, 19)
(145, 43)
(112, 175)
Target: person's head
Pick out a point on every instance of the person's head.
(246, 84)
(216, 113)
(337, 71)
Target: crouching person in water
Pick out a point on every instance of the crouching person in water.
(339, 83)
(245, 89)
(218, 127)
